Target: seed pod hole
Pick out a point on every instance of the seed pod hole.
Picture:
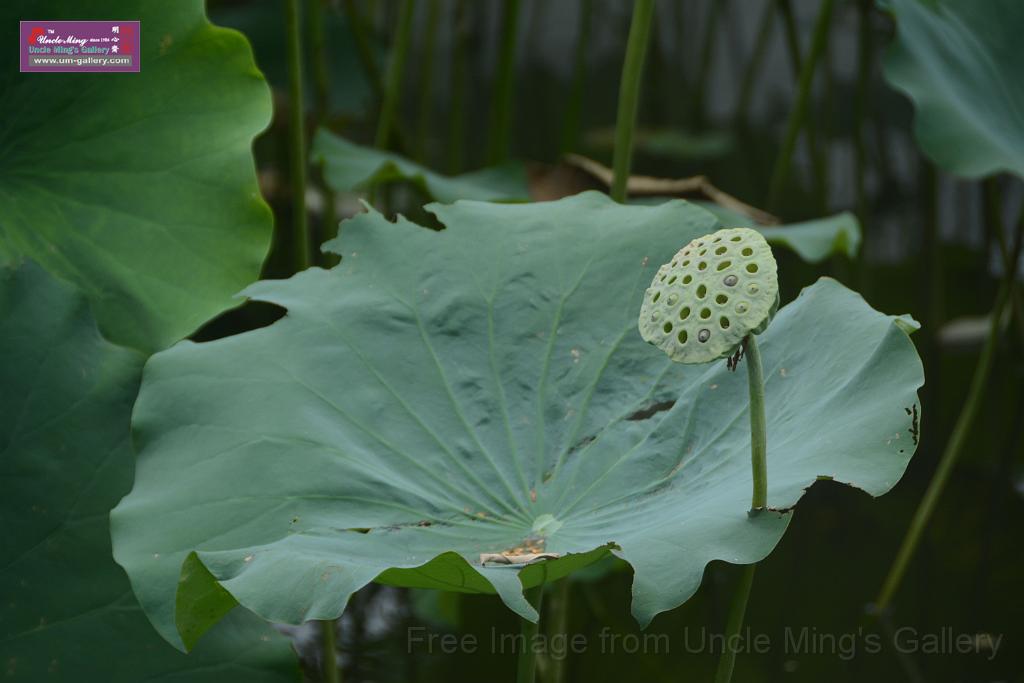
(681, 336)
(724, 264)
(753, 288)
(705, 313)
(742, 307)
(747, 251)
(751, 267)
(721, 250)
(687, 279)
(671, 300)
(701, 291)
(704, 335)
(737, 238)
(730, 280)
(667, 327)
(721, 299)
(684, 312)
(702, 265)
(723, 322)
(657, 295)
(672, 279)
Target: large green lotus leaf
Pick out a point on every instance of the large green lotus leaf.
(67, 612)
(349, 167)
(960, 62)
(439, 396)
(139, 188)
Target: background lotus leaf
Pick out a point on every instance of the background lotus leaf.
(67, 612)
(139, 187)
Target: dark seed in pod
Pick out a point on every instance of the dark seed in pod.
(704, 335)
(730, 280)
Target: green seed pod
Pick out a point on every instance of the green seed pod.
(714, 292)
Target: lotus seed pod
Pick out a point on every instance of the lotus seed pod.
(714, 292)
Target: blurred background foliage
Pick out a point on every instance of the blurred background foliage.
(720, 81)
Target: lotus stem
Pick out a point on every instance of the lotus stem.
(574, 109)
(629, 95)
(526, 668)
(504, 80)
(396, 69)
(358, 30)
(956, 442)
(332, 674)
(764, 32)
(297, 144)
(456, 112)
(427, 79)
(737, 611)
(758, 425)
(798, 115)
(558, 618)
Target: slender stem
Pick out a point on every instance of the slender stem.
(761, 43)
(798, 115)
(574, 110)
(526, 668)
(737, 610)
(558, 619)
(332, 674)
(961, 430)
(396, 68)
(704, 65)
(629, 95)
(865, 49)
(297, 143)
(357, 27)
(758, 425)
(994, 218)
(318, 54)
(427, 79)
(457, 110)
(504, 82)
(796, 61)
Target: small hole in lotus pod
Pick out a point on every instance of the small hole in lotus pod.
(730, 280)
(704, 335)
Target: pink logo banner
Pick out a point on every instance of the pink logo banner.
(86, 46)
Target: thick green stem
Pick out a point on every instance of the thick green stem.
(574, 109)
(557, 626)
(357, 27)
(396, 69)
(297, 143)
(427, 79)
(961, 430)
(629, 95)
(318, 54)
(761, 43)
(704, 65)
(798, 115)
(526, 667)
(758, 425)
(737, 610)
(332, 674)
(457, 110)
(504, 82)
